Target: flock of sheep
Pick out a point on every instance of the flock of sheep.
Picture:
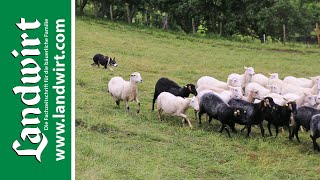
(247, 99)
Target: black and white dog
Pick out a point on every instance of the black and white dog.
(104, 61)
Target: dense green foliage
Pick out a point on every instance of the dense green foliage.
(226, 17)
(114, 144)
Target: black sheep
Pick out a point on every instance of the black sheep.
(303, 118)
(281, 116)
(255, 112)
(216, 108)
(167, 85)
(104, 60)
(315, 131)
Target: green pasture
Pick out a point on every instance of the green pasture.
(114, 144)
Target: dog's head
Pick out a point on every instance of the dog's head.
(112, 62)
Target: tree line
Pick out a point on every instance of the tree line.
(225, 17)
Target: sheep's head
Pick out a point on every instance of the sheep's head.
(292, 106)
(255, 94)
(274, 89)
(249, 70)
(311, 99)
(236, 92)
(192, 89)
(234, 81)
(268, 102)
(194, 103)
(240, 113)
(135, 77)
(274, 76)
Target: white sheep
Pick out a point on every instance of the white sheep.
(224, 95)
(237, 93)
(302, 82)
(303, 100)
(234, 81)
(211, 88)
(262, 91)
(126, 91)
(176, 105)
(274, 76)
(260, 79)
(210, 81)
(244, 78)
(286, 88)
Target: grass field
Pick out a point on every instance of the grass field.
(114, 144)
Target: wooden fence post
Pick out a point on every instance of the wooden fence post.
(284, 33)
(220, 28)
(193, 26)
(318, 33)
(111, 13)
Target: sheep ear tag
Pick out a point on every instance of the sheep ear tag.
(235, 113)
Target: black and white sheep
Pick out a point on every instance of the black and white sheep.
(216, 108)
(167, 85)
(126, 91)
(315, 131)
(255, 112)
(303, 118)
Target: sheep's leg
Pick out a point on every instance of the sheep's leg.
(185, 117)
(195, 115)
(301, 128)
(248, 130)
(118, 102)
(138, 102)
(262, 129)
(290, 132)
(159, 114)
(127, 106)
(269, 128)
(221, 128)
(110, 68)
(225, 127)
(243, 128)
(315, 144)
(233, 129)
(200, 114)
(277, 131)
(296, 129)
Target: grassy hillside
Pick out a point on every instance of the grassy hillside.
(114, 144)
